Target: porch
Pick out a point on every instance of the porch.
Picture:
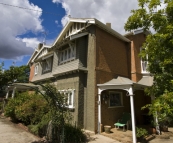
(117, 96)
(126, 137)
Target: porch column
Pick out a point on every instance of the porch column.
(7, 94)
(132, 113)
(99, 110)
(14, 89)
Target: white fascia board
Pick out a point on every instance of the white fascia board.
(138, 31)
(78, 35)
(61, 33)
(32, 56)
(84, 20)
(71, 20)
(47, 56)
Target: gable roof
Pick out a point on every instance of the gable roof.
(36, 53)
(87, 22)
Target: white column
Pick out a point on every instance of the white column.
(132, 114)
(7, 94)
(99, 110)
(13, 92)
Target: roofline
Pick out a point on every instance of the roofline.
(112, 31)
(44, 46)
(91, 21)
(137, 31)
(32, 56)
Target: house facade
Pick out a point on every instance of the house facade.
(86, 53)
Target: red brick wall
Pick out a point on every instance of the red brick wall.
(31, 72)
(136, 44)
(112, 59)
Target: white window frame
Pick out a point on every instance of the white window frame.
(68, 92)
(36, 69)
(144, 64)
(115, 93)
(47, 65)
(63, 58)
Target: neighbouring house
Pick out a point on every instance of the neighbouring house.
(86, 62)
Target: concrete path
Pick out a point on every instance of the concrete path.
(101, 139)
(11, 133)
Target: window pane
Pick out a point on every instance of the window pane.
(69, 53)
(115, 99)
(70, 98)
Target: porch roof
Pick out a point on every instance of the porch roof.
(146, 80)
(22, 86)
(118, 81)
(124, 83)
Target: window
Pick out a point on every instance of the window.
(69, 97)
(144, 63)
(36, 69)
(47, 65)
(115, 99)
(67, 54)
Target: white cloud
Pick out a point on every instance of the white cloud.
(15, 22)
(56, 21)
(29, 42)
(114, 11)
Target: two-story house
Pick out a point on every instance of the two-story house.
(85, 54)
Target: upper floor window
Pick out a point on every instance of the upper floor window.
(115, 99)
(68, 97)
(47, 65)
(144, 63)
(36, 69)
(67, 54)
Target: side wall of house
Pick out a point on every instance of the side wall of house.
(89, 99)
(136, 43)
(70, 81)
(113, 59)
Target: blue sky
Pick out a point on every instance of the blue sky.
(22, 29)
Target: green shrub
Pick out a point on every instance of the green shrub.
(73, 134)
(27, 108)
(13, 103)
(141, 132)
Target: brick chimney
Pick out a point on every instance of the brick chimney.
(108, 25)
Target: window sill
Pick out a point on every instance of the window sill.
(66, 61)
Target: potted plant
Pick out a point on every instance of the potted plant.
(141, 133)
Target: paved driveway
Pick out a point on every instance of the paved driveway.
(11, 133)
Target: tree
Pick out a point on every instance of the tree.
(13, 74)
(156, 15)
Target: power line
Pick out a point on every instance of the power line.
(29, 9)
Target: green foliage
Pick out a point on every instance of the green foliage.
(158, 46)
(74, 134)
(28, 108)
(13, 74)
(157, 15)
(141, 132)
(36, 112)
(162, 108)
